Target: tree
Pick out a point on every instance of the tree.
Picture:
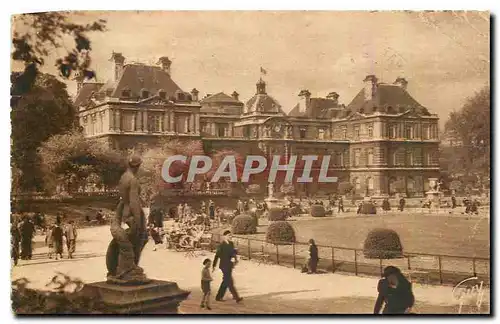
(153, 159)
(470, 129)
(38, 34)
(74, 160)
(44, 111)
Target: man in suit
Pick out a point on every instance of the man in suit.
(226, 253)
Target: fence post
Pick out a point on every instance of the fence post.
(409, 266)
(333, 259)
(293, 247)
(249, 251)
(474, 267)
(277, 255)
(381, 271)
(355, 262)
(440, 270)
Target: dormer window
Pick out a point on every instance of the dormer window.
(144, 93)
(180, 96)
(302, 132)
(109, 92)
(126, 93)
(162, 94)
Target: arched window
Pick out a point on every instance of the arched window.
(370, 183)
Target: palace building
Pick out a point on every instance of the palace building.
(382, 142)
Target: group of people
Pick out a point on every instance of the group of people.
(54, 239)
(22, 233)
(394, 290)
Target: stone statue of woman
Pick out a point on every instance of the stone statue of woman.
(128, 229)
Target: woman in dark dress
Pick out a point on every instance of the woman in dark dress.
(313, 257)
(394, 293)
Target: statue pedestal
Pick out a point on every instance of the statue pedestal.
(156, 297)
(434, 196)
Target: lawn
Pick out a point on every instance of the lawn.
(451, 235)
(434, 235)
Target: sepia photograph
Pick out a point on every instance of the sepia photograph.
(250, 162)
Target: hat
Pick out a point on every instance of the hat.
(134, 161)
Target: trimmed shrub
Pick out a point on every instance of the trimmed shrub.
(244, 224)
(280, 232)
(368, 208)
(276, 214)
(382, 243)
(318, 211)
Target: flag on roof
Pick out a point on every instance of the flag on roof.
(263, 71)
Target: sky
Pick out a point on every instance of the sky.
(443, 55)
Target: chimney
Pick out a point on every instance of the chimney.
(333, 96)
(79, 78)
(117, 60)
(305, 99)
(235, 95)
(401, 82)
(165, 64)
(370, 86)
(194, 94)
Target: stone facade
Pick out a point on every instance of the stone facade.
(382, 138)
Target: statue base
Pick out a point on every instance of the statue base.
(156, 297)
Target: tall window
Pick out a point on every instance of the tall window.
(425, 132)
(410, 132)
(343, 132)
(222, 130)
(321, 133)
(357, 184)
(369, 157)
(155, 123)
(357, 155)
(394, 158)
(411, 157)
(370, 184)
(392, 131)
(128, 121)
(370, 130)
(356, 131)
(340, 159)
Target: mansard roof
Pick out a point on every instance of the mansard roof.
(388, 98)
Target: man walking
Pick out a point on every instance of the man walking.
(70, 233)
(341, 205)
(226, 253)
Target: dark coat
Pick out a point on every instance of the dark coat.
(397, 300)
(225, 253)
(313, 252)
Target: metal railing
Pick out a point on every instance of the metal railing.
(419, 267)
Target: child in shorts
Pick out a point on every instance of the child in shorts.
(206, 279)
